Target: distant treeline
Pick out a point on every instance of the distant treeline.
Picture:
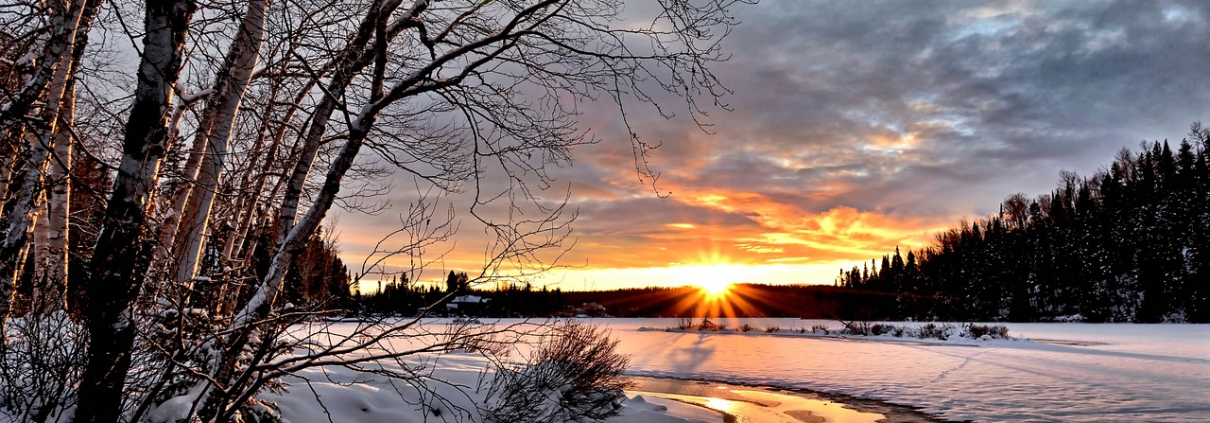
(742, 300)
(397, 297)
(1129, 244)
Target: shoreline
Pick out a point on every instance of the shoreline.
(729, 391)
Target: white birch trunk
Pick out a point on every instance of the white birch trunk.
(42, 287)
(8, 153)
(169, 228)
(292, 238)
(250, 213)
(118, 264)
(246, 198)
(163, 262)
(229, 92)
(52, 271)
(22, 217)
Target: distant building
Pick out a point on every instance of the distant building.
(466, 305)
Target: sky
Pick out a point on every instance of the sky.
(856, 128)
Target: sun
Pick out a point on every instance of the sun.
(715, 287)
(714, 280)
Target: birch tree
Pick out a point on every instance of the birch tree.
(67, 20)
(480, 59)
(119, 250)
(219, 117)
(474, 99)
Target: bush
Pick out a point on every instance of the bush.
(706, 324)
(745, 328)
(857, 328)
(772, 329)
(823, 329)
(684, 323)
(993, 331)
(932, 331)
(575, 375)
(41, 365)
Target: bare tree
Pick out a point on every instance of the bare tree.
(119, 250)
(475, 99)
(69, 24)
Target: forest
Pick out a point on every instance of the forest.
(169, 172)
(1131, 243)
(398, 297)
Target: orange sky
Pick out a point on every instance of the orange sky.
(852, 130)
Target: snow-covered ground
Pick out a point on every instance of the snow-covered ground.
(447, 387)
(1115, 373)
(1076, 373)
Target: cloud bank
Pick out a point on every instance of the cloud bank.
(861, 126)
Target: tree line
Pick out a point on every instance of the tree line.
(1131, 243)
(400, 296)
(166, 169)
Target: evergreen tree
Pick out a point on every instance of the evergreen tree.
(1130, 243)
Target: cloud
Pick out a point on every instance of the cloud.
(861, 126)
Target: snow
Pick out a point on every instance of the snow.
(1067, 372)
(760, 406)
(661, 410)
(338, 394)
(941, 334)
(174, 409)
(1114, 373)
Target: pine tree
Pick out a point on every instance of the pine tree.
(1127, 244)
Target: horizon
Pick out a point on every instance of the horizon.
(853, 131)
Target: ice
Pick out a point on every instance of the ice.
(1068, 372)
(1095, 373)
(339, 394)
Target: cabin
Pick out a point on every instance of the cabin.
(466, 305)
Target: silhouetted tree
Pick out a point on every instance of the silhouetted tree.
(1127, 244)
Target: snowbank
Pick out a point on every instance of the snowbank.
(1079, 373)
(452, 389)
(1107, 373)
(926, 333)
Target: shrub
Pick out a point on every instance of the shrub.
(932, 331)
(41, 365)
(575, 375)
(745, 327)
(820, 329)
(993, 331)
(706, 324)
(857, 328)
(879, 329)
(684, 323)
(772, 329)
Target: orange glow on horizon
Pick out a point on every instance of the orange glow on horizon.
(715, 288)
(759, 239)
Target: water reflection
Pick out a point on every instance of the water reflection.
(718, 404)
(754, 405)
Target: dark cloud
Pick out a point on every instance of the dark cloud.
(987, 91)
(918, 112)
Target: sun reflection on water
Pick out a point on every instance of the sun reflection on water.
(758, 405)
(719, 404)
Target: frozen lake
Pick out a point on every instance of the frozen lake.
(1053, 373)
(1078, 373)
